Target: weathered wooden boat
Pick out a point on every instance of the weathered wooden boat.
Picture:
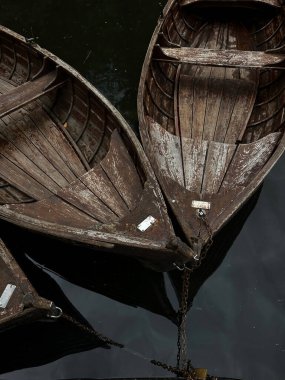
(29, 342)
(211, 107)
(162, 378)
(70, 166)
(19, 302)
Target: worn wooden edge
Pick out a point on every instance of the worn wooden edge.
(156, 255)
(27, 315)
(222, 57)
(134, 141)
(273, 3)
(98, 238)
(253, 186)
(143, 128)
(146, 63)
(40, 307)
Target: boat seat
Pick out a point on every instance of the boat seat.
(27, 92)
(233, 3)
(226, 58)
(208, 166)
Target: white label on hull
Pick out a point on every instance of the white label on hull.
(145, 224)
(6, 295)
(201, 204)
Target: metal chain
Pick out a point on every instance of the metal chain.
(186, 373)
(207, 246)
(182, 315)
(184, 367)
(92, 332)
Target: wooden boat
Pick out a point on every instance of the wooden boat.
(48, 339)
(211, 107)
(70, 166)
(19, 302)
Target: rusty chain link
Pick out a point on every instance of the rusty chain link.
(184, 367)
(182, 314)
(186, 373)
(92, 331)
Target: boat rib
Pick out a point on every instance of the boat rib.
(70, 165)
(225, 86)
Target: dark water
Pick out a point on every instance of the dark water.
(237, 322)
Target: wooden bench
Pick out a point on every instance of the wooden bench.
(27, 92)
(228, 58)
(233, 3)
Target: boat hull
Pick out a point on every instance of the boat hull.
(210, 108)
(70, 165)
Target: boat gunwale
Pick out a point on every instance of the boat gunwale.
(97, 238)
(40, 307)
(253, 186)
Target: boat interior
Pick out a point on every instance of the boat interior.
(62, 148)
(214, 92)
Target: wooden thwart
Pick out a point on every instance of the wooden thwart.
(226, 58)
(27, 92)
(274, 3)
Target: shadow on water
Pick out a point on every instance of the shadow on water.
(236, 325)
(46, 262)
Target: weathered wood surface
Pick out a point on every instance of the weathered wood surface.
(209, 167)
(152, 378)
(274, 3)
(211, 107)
(70, 166)
(225, 58)
(27, 92)
(19, 302)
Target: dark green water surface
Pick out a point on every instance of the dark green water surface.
(236, 327)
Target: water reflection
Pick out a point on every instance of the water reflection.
(236, 324)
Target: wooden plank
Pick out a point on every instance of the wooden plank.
(14, 135)
(274, 3)
(97, 181)
(242, 110)
(58, 141)
(12, 153)
(18, 178)
(228, 100)
(27, 92)
(194, 156)
(55, 210)
(199, 106)
(78, 195)
(218, 158)
(248, 160)
(167, 152)
(39, 139)
(214, 101)
(121, 170)
(10, 194)
(228, 58)
(185, 105)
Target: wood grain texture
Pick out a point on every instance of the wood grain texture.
(27, 92)
(274, 3)
(248, 160)
(24, 304)
(225, 58)
(167, 151)
(70, 165)
(228, 103)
